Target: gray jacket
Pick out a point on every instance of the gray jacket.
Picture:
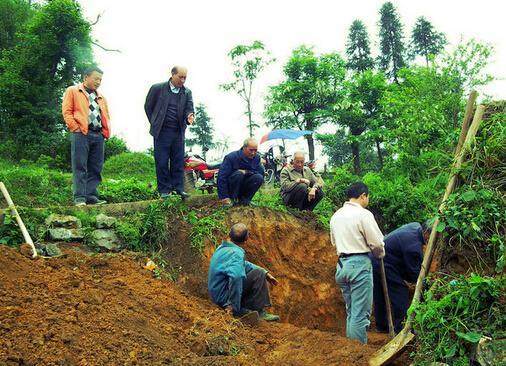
(156, 106)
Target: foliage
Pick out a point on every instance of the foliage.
(336, 147)
(130, 165)
(51, 46)
(248, 61)
(202, 130)
(425, 41)
(204, 226)
(307, 96)
(127, 190)
(13, 16)
(456, 313)
(358, 50)
(392, 57)
(114, 146)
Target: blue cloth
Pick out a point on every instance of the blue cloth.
(354, 277)
(231, 163)
(169, 159)
(171, 114)
(227, 272)
(287, 134)
(403, 260)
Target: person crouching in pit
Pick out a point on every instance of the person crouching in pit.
(236, 285)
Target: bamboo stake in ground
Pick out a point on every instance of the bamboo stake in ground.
(388, 352)
(15, 213)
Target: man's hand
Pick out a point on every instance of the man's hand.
(191, 118)
(243, 171)
(272, 280)
(228, 309)
(311, 194)
(303, 180)
(226, 201)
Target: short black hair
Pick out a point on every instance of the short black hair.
(427, 225)
(238, 233)
(174, 70)
(356, 190)
(90, 69)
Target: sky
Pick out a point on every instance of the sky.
(154, 35)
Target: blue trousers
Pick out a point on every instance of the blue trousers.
(242, 187)
(169, 159)
(354, 277)
(87, 156)
(399, 300)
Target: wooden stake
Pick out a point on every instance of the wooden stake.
(15, 213)
(391, 330)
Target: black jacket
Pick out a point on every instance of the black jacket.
(156, 106)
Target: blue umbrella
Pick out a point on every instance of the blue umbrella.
(284, 134)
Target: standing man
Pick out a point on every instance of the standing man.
(87, 117)
(300, 188)
(355, 233)
(403, 260)
(236, 285)
(241, 174)
(169, 108)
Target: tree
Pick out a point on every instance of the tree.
(53, 47)
(248, 62)
(202, 130)
(13, 17)
(336, 146)
(392, 57)
(357, 48)
(309, 93)
(425, 41)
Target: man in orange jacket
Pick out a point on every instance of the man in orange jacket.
(86, 114)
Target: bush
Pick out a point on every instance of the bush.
(131, 165)
(127, 190)
(114, 146)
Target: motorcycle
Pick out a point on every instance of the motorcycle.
(198, 174)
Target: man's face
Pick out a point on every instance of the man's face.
(178, 79)
(93, 80)
(251, 150)
(365, 200)
(298, 162)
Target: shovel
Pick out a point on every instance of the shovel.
(391, 331)
(396, 346)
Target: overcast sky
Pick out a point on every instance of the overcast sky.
(153, 35)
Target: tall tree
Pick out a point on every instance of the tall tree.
(248, 61)
(53, 46)
(202, 130)
(13, 17)
(358, 50)
(307, 96)
(392, 57)
(425, 40)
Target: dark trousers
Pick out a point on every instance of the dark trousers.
(87, 155)
(242, 187)
(169, 159)
(297, 197)
(255, 293)
(399, 300)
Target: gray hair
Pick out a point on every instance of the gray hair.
(238, 233)
(248, 141)
(300, 153)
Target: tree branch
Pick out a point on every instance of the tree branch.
(102, 47)
(96, 20)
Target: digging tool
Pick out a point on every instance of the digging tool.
(395, 347)
(391, 331)
(15, 213)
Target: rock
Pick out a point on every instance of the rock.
(106, 239)
(52, 250)
(105, 222)
(491, 352)
(63, 221)
(63, 234)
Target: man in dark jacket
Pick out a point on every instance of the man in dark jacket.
(169, 108)
(403, 260)
(241, 174)
(236, 285)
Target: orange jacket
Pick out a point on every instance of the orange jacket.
(75, 109)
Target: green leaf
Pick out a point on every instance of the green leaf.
(472, 337)
(469, 196)
(440, 227)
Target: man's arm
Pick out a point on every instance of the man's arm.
(68, 111)
(373, 235)
(412, 255)
(236, 273)
(189, 105)
(150, 103)
(223, 174)
(287, 183)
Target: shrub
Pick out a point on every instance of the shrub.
(131, 165)
(114, 146)
(127, 190)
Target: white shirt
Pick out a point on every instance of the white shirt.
(353, 229)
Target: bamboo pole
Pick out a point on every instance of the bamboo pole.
(391, 330)
(20, 222)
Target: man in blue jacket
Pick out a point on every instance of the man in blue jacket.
(238, 286)
(403, 260)
(241, 174)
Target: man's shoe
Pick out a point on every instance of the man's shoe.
(79, 204)
(95, 201)
(164, 195)
(268, 317)
(183, 194)
(251, 318)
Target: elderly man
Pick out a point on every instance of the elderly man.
(87, 117)
(238, 286)
(403, 260)
(241, 174)
(169, 108)
(355, 233)
(300, 188)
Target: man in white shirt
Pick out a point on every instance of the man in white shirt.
(355, 233)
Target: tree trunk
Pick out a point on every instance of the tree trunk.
(310, 145)
(250, 122)
(380, 157)
(355, 150)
